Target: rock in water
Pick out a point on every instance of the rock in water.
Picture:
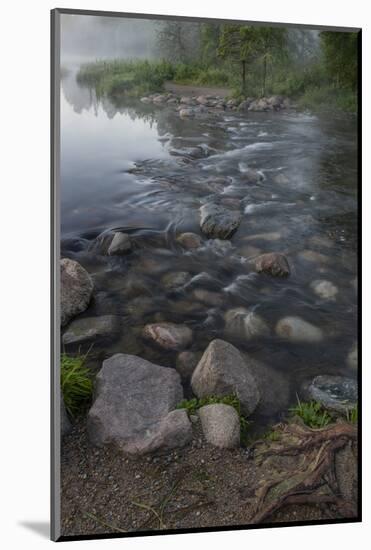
(352, 359)
(219, 222)
(189, 240)
(168, 336)
(298, 330)
(175, 279)
(66, 425)
(324, 289)
(186, 362)
(120, 244)
(334, 392)
(242, 323)
(273, 263)
(76, 289)
(220, 425)
(90, 329)
(223, 371)
(134, 406)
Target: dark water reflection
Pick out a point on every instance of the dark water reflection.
(126, 166)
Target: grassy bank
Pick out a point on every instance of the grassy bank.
(308, 88)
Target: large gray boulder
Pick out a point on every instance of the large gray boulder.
(134, 404)
(220, 425)
(170, 336)
(223, 371)
(334, 392)
(76, 289)
(90, 329)
(218, 222)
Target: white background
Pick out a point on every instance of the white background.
(24, 249)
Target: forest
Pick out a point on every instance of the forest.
(318, 69)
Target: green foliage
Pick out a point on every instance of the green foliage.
(76, 383)
(340, 57)
(192, 405)
(312, 413)
(352, 415)
(131, 78)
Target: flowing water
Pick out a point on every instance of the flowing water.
(132, 166)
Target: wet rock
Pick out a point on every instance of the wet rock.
(187, 113)
(146, 100)
(65, 423)
(219, 222)
(186, 362)
(189, 240)
(251, 176)
(296, 329)
(139, 307)
(274, 389)
(324, 289)
(208, 297)
(281, 179)
(244, 324)
(159, 99)
(133, 407)
(186, 100)
(223, 371)
(203, 279)
(76, 289)
(220, 425)
(202, 100)
(90, 329)
(175, 279)
(321, 241)
(270, 236)
(120, 244)
(273, 263)
(168, 336)
(352, 359)
(245, 104)
(189, 152)
(334, 392)
(220, 247)
(276, 101)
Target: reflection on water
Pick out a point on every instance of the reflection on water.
(135, 167)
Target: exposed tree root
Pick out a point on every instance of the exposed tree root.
(312, 478)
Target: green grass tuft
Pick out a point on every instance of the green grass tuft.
(192, 405)
(76, 383)
(352, 415)
(312, 413)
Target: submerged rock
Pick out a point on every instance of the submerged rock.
(175, 279)
(219, 222)
(189, 240)
(352, 359)
(187, 113)
(76, 289)
(89, 329)
(208, 297)
(244, 324)
(273, 263)
(312, 256)
(168, 336)
(251, 176)
(65, 423)
(120, 244)
(220, 425)
(133, 407)
(223, 371)
(324, 289)
(334, 392)
(296, 329)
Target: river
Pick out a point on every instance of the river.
(129, 166)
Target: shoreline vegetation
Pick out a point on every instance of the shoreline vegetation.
(251, 62)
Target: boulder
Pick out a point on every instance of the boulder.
(244, 324)
(76, 289)
(120, 244)
(186, 113)
(324, 289)
(334, 392)
(219, 222)
(223, 371)
(296, 329)
(245, 104)
(169, 336)
(65, 423)
(274, 388)
(90, 329)
(186, 362)
(133, 409)
(189, 240)
(273, 263)
(220, 425)
(146, 100)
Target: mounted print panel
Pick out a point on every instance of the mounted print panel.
(205, 259)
